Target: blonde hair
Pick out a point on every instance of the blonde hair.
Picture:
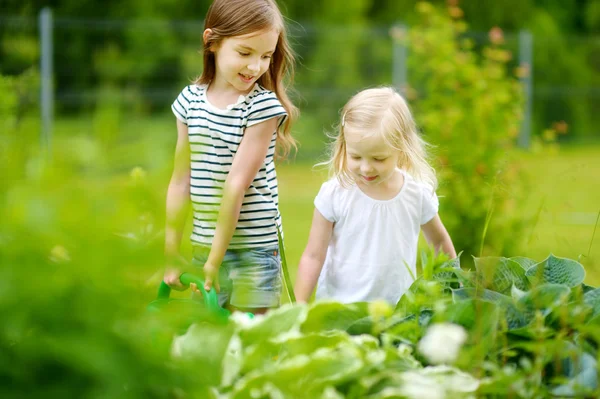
(228, 18)
(382, 111)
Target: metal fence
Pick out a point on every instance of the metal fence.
(143, 65)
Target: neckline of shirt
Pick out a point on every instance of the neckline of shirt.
(229, 107)
(394, 198)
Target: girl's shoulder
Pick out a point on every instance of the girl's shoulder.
(194, 89)
(334, 187)
(259, 95)
(417, 184)
(191, 93)
(419, 191)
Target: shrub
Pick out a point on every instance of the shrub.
(469, 106)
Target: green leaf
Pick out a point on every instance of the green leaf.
(517, 293)
(261, 355)
(525, 263)
(323, 316)
(500, 274)
(515, 317)
(361, 326)
(544, 298)
(581, 370)
(461, 294)
(305, 375)
(428, 382)
(276, 322)
(557, 271)
(592, 299)
(587, 288)
(479, 317)
(204, 345)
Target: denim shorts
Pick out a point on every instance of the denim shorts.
(249, 278)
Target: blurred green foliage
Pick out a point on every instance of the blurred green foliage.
(469, 105)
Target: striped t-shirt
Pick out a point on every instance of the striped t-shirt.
(215, 135)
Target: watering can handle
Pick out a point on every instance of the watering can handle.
(210, 298)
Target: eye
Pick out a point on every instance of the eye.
(266, 57)
(380, 159)
(355, 157)
(243, 54)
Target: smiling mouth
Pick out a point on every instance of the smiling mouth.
(369, 178)
(246, 77)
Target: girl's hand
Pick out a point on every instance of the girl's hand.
(171, 278)
(211, 277)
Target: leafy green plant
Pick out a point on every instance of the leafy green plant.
(469, 106)
(536, 341)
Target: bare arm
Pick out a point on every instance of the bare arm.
(313, 257)
(248, 160)
(437, 235)
(178, 200)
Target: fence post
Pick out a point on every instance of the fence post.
(46, 78)
(399, 34)
(526, 64)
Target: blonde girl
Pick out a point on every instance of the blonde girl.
(368, 216)
(229, 123)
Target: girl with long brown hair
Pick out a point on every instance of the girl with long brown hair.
(231, 123)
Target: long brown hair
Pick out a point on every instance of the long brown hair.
(228, 18)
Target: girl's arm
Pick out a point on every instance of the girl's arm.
(437, 235)
(178, 200)
(248, 159)
(313, 257)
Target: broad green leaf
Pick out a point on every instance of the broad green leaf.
(479, 318)
(525, 263)
(586, 381)
(515, 318)
(472, 313)
(500, 274)
(581, 370)
(587, 288)
(276, 322)
(544, 298)
(483, 294)
(592, 299)
(557, 271)
(446, 272)
(361, 326)
(263, 354)
(516, 293)
(204, 345)
(406, 328)
(328, 315)
(428, 382)
(399, 358)
(305, 375)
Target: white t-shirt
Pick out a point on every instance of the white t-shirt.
(374, 242)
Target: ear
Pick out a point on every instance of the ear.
(206, 37)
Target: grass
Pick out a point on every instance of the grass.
(566, 195)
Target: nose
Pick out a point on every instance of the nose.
(254, 66)
(366, 168)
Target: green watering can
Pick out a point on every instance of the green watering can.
(209, 306)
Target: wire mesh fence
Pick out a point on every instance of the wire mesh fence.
(140, 66)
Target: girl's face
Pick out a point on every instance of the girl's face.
(371, 161)
(241, 60)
